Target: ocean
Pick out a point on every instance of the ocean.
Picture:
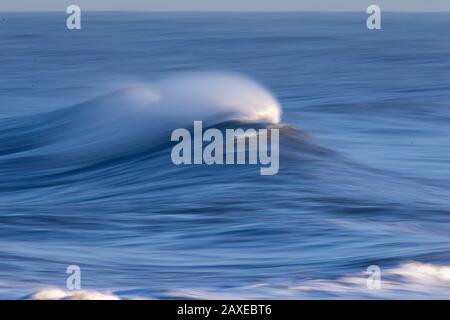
(86, 176)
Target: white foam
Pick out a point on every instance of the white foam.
(413, 280)
(424, 272)
(408, 281)
(59, 294)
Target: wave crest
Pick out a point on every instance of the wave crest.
(133, 120)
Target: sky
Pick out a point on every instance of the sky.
(226, 5)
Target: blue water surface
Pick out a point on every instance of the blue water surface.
(364, 158)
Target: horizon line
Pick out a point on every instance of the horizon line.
(224, 11)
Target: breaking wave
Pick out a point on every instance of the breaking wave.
(130, 119)
(412, 280)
